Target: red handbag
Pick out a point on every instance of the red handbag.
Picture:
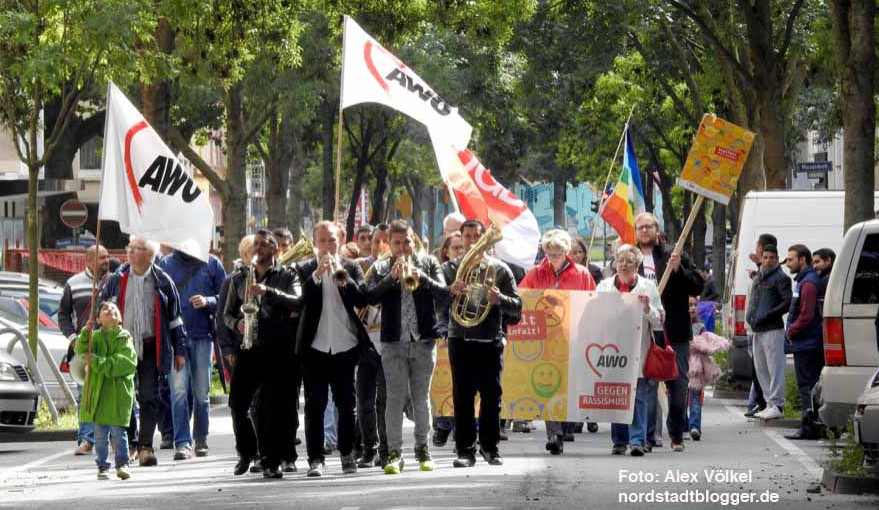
(661, 363)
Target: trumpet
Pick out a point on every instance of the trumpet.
(340, 274)
(410, 274)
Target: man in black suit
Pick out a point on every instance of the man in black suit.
(329, 343)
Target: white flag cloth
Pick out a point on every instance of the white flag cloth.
(144, 186)
(372, 74)
(481, 197)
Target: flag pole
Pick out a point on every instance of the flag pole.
(679, 246)
(338, 173)
(91, 329)
(607, 177)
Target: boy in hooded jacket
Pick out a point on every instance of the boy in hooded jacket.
(109, 384)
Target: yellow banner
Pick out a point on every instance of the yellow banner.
(716, 159)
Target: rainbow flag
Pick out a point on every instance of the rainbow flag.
(627, 200)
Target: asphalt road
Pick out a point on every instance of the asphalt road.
(756, 461)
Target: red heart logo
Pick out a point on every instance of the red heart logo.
(600, 348)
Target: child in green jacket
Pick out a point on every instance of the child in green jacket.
(109, 387)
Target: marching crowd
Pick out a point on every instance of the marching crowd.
(356, 326)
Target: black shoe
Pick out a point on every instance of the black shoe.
(441, 437)
(555, 446)
(367, 460)
(297, 441)
(502, 435)
(289, 466)
(492, 457)
(568, 437)
(636, 451)
(256, 467)
(242, 466)
(465, 461)
(695, 434)
(577, 428)
(754, 410)
(272, 472)
(382, 460)
(167, 443)
(800, 435)
(592, 427)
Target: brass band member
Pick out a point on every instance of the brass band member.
(476, 353)
(329, 342)
(407, 286)
(263, 365)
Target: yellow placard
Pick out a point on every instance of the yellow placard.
(716, 159)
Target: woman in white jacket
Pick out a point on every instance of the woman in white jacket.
(627, 280)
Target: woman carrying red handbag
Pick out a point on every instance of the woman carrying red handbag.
(627, 259)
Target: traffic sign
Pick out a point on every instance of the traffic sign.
(74, 213)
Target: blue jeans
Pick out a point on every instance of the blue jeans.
(103, 434)
(192, 383)
(330, 425)
(635, 433)
(695, 409)
(86, 430)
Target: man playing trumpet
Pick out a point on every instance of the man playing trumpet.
(329, 342)
(408, 286)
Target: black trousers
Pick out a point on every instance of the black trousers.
(371, 400)
(322, 371)
(148, 379)
(476, 367)
(261, 369)
(807, 366)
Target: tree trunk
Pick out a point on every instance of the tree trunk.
(235, 203)
(718, 246)
(380, 172)
(700, 228)
(772, 129)
(298, 167)
(277, 164)
(155, 95)
(431, 214)
(328, 187)
(32, 238)
(559, 194)
(855, 56)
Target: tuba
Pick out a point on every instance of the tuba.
(250, 308)
(303, 249)
(471, 308)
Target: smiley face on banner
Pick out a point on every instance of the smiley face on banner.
(546, 379)
(526, 408)
(527, 350)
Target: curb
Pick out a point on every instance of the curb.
(219, 400)
(39, 436)
(783, 423)
(842, 484)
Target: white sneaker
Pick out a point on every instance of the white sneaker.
(770, 413)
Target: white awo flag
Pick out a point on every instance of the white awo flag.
(145, 188)
(372, 74)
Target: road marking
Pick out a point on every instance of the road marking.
(5, 474)
(815, 471)
(812, 467)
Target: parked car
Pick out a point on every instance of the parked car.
(50, 300)
(866, 424)
(23, 279)
(850, 306)
(19, 397)
(54, 341)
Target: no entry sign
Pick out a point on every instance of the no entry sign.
(74, 213)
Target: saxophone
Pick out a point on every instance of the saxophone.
(471, 308)
(250, 308)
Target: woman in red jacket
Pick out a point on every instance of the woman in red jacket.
(557, 271)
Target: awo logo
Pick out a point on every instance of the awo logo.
(164, 175)
(401, 77)
(505, 201)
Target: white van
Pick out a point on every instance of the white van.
(811, 218)
(851, 353)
